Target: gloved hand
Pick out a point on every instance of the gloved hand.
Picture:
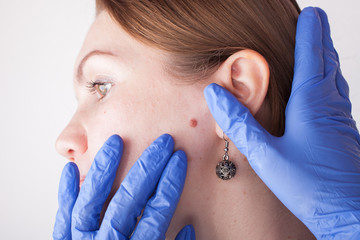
(158, 169)
(314, 168)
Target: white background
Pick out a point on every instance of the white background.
(39, 41)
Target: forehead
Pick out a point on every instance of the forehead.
(106, 35)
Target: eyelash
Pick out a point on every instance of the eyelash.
(91, 85)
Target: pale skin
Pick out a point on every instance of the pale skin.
(144, 100)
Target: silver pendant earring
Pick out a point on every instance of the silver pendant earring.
(225, 169)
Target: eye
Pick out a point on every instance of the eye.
(102, 88)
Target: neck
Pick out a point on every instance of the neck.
(240, 208)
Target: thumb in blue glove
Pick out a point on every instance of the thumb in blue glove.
(314, 168)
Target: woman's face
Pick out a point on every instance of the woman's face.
(122, 88)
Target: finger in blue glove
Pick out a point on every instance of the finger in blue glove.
(187, 233)
(68, 192)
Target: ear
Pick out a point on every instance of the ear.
(246, 75)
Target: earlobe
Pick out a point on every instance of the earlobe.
(246, 75)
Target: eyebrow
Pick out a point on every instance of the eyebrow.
(79, 72)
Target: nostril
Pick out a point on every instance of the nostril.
(72, 141)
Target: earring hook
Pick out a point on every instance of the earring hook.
(225, 138)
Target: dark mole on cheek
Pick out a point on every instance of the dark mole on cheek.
(193, 123)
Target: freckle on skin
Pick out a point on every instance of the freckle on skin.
(193, 123)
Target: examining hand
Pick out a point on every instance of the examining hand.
(158, 169)
(314, 168)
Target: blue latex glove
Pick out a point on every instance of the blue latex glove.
(314, 168)
(158, 169)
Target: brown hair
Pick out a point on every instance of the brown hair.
(201, 34)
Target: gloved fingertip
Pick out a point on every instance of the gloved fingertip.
(187, 233)
(210, 87)
(191, 232)
(211, 90)
(164, 141)
(308, 11)
(69, 178)
(109, 153)
(217, 96)
(181, 154)
(70, 168)
(226, 109)
(115, 141)
(321, 12)
(324, 21)
(326, 28)
(181, 164)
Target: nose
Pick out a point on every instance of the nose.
(72, 141)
